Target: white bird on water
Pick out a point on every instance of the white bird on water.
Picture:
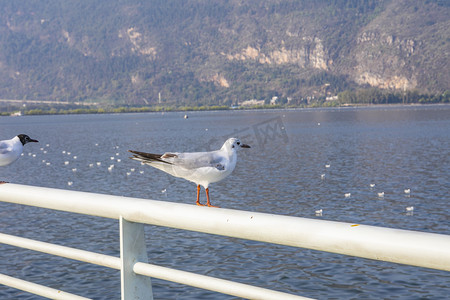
(10, 150)
(202, 168)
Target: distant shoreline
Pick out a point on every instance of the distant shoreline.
(117, 110)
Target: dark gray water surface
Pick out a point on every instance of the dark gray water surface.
(395, 148)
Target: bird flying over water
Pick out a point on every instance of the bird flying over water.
(10, 150)
(201, 168)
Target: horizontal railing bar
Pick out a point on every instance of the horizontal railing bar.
(62, 251)
(37, 289)
(211, 283)
(415, 248)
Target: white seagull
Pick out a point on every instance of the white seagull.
(10, 150)
(202, 168)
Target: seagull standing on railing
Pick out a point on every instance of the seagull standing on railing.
(202, 168)
(10, 150)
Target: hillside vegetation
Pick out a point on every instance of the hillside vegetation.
(219, 52)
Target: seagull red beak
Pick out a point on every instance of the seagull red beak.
(34, 141)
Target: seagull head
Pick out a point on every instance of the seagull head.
(26, 139)
(234, 143)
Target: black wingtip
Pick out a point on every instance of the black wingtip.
(148, 156)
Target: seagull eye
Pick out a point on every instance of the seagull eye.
(238, 143)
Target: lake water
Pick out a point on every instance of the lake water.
(395, 148)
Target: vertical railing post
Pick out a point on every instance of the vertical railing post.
(133, 250)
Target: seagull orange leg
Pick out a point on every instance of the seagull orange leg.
(198, 196)
(207, 198)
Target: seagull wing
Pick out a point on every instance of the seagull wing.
(4, 147)
(195, 160)
(188, 160)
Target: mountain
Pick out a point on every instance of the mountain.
(220, 52)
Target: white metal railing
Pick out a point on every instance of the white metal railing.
(393, 245)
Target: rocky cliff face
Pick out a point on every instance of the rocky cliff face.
(394, 50)
(381, 60)
(311, 55)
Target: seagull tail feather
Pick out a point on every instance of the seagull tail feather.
(147, 157)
